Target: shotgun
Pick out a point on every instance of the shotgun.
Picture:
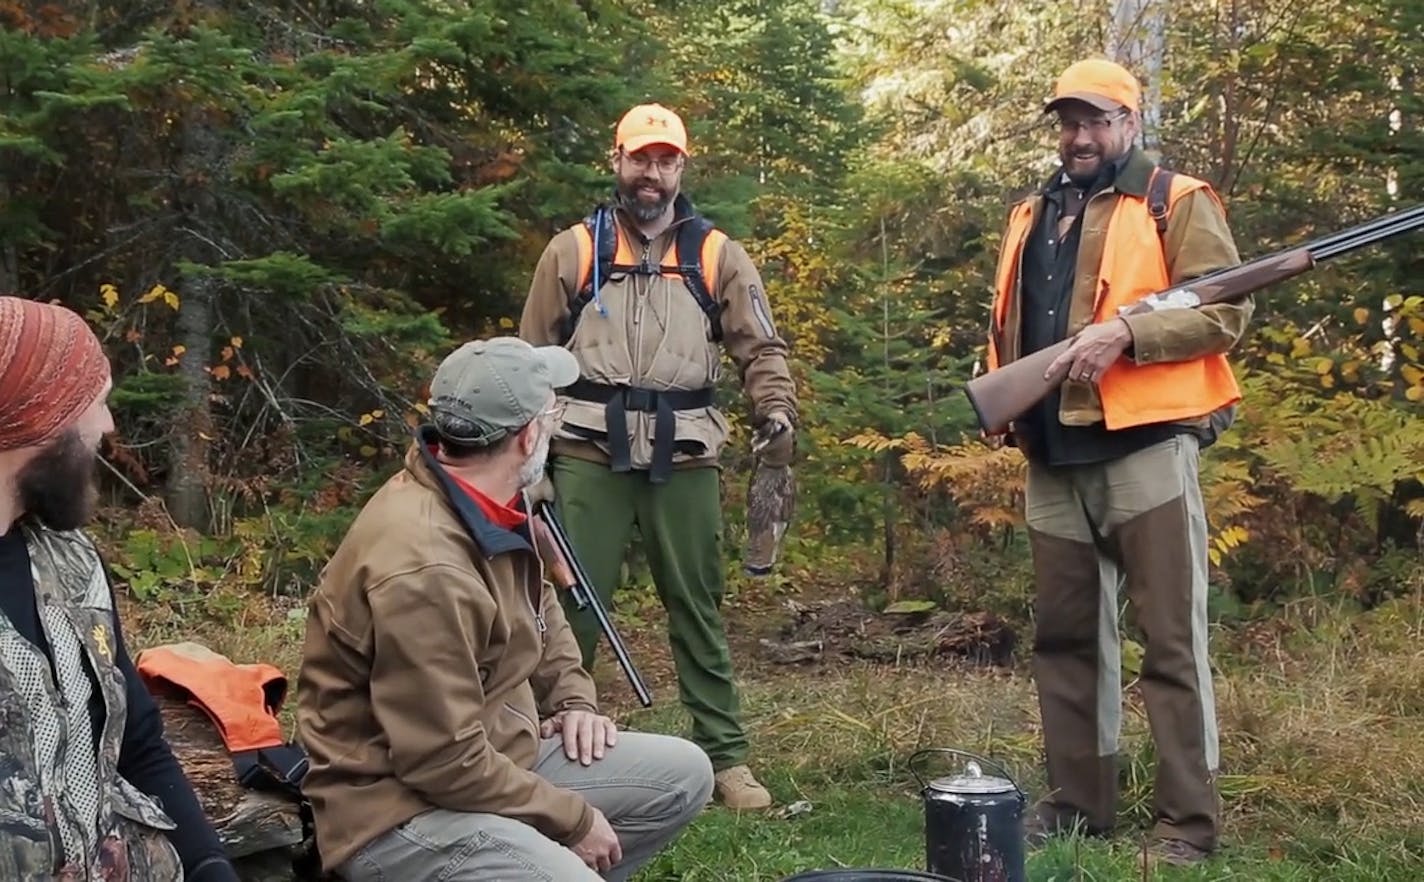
(1001, 396)
(568, 571)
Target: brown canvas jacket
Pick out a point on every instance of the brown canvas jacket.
(431, 655)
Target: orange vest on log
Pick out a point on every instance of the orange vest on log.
(241, 700)
(1132, 267)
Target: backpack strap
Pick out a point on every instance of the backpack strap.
(696, 237)
(699, 237)
(596, 235)
(1159, 192)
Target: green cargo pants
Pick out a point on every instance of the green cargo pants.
(681, 525)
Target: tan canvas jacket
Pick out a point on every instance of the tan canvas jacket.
(656, 336)
(430, 659)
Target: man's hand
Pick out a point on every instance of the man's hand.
(1093, 351)
(599, 848)
(586, 734)
(775, 439)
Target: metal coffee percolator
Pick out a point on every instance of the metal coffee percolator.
(973, 822)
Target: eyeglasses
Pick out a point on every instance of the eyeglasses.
(1093, 125)
(667, 164)
(556, 411)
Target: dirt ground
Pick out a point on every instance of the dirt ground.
(789, 632)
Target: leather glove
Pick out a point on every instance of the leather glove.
(775, 440)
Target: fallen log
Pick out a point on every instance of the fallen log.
(262, 831)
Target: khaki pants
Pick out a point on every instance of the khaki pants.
(1137, 522)
(648, 786)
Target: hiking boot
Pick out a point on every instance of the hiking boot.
(1173, 852)
(738, 789)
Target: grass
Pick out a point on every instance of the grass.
(1322, 716)
(1322, 721)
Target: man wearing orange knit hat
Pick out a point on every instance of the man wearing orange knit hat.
(90, 785)
(1113, 502)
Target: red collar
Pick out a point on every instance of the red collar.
(506, 515)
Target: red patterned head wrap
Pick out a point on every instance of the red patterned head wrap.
(51, 368)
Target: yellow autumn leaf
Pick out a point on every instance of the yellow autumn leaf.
(1327, 381)
(1300, 346)
(366, 419)
(236, 342)
(1417, 326)
(421, 408)
(110, 294)
(378, 413)
(1324, 366)
(1414, 393)
(171, 299)
(179, 349)
(1410, 352)
(368, 451)
(1413, 375)
(505, 323)
(1362, 315)
(153, 294)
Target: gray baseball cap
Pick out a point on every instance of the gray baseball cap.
(500, 384)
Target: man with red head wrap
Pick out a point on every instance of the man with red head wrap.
(89, 783)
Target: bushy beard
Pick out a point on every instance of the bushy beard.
(532, 472)
(57, 487)
(643, 212)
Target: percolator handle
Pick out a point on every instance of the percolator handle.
(993, 766)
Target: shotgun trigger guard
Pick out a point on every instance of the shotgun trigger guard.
(1172, 298)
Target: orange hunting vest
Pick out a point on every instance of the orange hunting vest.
(1132, 267)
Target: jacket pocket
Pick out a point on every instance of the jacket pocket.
(527, 721)
(30, 843)
(134, 804)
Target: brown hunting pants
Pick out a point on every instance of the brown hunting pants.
(1136, 522)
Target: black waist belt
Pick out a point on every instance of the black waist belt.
(618, 400)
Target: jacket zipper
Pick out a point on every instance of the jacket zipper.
(538, 610)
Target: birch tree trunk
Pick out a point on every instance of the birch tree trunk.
(1137, 41)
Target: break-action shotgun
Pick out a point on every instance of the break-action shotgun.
(1003, 395)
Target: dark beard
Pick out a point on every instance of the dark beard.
(643, 212)
(57, 487)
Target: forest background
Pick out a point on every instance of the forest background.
(280, 216)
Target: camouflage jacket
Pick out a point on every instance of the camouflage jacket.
(65, 812)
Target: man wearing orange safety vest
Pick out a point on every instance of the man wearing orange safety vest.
(1113, 499)
(646, 293)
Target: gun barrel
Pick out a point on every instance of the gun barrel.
(585, 595)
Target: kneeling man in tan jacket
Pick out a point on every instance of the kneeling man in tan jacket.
(452, 731)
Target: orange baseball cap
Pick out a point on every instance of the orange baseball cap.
(649, 124)
(1104, 84)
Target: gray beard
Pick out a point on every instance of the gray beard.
(532, 472)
